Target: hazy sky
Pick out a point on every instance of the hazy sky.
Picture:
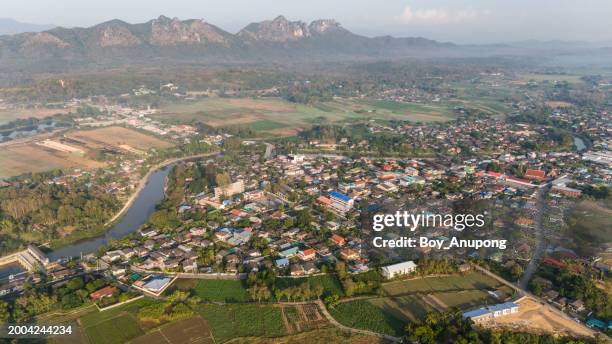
(462, 21)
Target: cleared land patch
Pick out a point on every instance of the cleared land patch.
(74, 150)
(29, 157)
(118, 137)
(536, 317)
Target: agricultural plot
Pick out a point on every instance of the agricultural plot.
(194, 330)
(410, 300)
(464, 299)
(330, 283)
(550, 78)
(362, 314)
(72, 151)
(117, 330)
(119, 138)
(243, 320)
(322, 336)
(9, 115)
(468, 281)
(221, 290)
(117, 325)
(302, 318)
(276, 116)
(17, 159)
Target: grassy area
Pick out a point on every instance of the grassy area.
(405, 308)
(243, 320)
(275, 115)
(409, 111)
(410, 300)
(550, 77)
(9, 115)
(117, 330)
(130, 308)
(213, 290)
(328, 335)
(364, 315)
(468, 281)
(331, 284)
(465, 299)
(266, 125)
(590, 226)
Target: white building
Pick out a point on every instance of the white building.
(398, 269)
(490, 312)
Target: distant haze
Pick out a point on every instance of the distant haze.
(10, 26)
(476, 21)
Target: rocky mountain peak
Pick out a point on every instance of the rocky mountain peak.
(324, 25)
(166, 31)
(277, 30)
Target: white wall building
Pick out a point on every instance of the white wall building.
(398, 269)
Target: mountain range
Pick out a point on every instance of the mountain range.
(196, 40)
(170, 40)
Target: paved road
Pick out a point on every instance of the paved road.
(540, 240)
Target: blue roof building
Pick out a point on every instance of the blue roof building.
(340, 196)
(281, 263)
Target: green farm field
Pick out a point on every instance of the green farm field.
(331, 284)
(410, 300)
(243, 320)
(117, 325)
(468, 281)
(364, 315)
(277, 116)
(213, 290)
(550, 78)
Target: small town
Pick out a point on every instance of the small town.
(431, 173)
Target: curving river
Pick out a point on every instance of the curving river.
(136, 215)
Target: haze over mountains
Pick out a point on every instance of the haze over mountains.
(165, 40)
(10, 26)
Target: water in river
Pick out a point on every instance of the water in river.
(10, 269)
(136, 215)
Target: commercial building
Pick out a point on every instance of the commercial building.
(340, 202)
(487, 313)
(229, 190)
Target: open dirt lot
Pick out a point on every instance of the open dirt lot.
(118, 137)
(30, 157)
(536, 317)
